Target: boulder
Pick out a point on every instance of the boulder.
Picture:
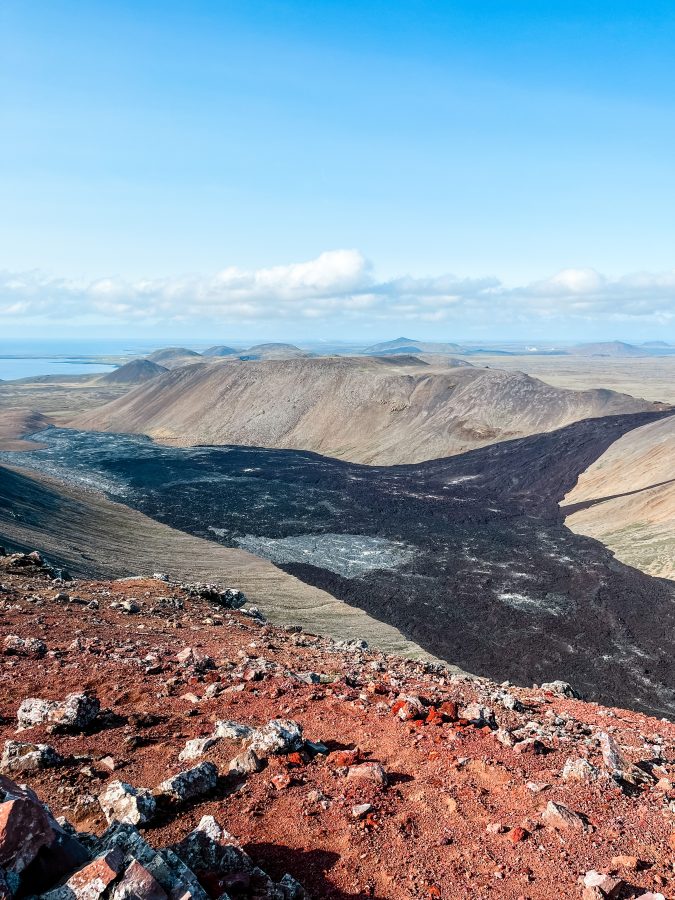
(209, 848)
(121, 802)
(74, 713)
(578, 769)
(23, 757)
(196, 782)
(25, 828)
(232, 731)
(17, 646)
(561, 817)
(138, 884)
(562, 688)
(277, 737)
(92, 880)
(245, 763)
(165, 867)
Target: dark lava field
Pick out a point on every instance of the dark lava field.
(469, 555)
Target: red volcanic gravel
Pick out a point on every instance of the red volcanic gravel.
(427, 785)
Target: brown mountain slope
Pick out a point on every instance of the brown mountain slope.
(370, 411)
(626, 499)
(137, 371)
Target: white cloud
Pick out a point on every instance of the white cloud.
(340, 285)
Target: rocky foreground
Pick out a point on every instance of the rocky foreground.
(173, 744)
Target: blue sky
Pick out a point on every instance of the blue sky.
(418, 167)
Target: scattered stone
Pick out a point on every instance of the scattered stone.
(246, 763)
(625, 862)
(196, 782)
(478, 715)
(561, 817)
(408, 708)
(352, 646)
(368, 771)
(562, 688)
(75, 713)
(361, 810)
(138, 884)
(277, 737)
(24, 757)
(578, 769)
(121, 802)
(130, 607)
(197, 747)
(603, 885)
(199, 662)
(611, 755)
(18, 646)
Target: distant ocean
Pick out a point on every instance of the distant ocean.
(23, 359)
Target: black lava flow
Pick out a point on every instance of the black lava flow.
(497, 584)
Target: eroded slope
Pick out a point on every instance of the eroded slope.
(370, 411)
(626, 499)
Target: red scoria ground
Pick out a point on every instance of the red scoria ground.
(427, 834)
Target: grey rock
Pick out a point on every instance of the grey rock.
(277, 737)
(245, 763)
(197, 747)
(121, 802)
(25, 757)
(232, 731)
(76, 712)
(561, 688)
(18, 646)
(196, 782)
(579, 769)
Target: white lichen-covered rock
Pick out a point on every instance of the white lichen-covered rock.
(197, 747)
(76, 712)
(18, 646)
(25, 757)
(277, 737)
(579, 769)
(33, 711)
(196, 782)
(478, 714)
(232, 731)
(121, 802)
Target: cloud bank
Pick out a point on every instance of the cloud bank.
(341, 286)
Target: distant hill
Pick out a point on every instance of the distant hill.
(274, 351)
(173, 356)
(365, 410)
(409, 345)
(137, 371)
(609, 349)
(221, 351)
